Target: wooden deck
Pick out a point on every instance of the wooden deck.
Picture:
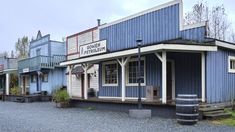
(119, 101)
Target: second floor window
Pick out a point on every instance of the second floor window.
(38, 52)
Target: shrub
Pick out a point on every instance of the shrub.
(61, 96)
(15, 91)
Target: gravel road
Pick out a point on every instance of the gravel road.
(44, 117)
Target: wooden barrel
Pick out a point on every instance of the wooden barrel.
(187, 109)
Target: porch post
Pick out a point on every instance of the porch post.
(85, 67)
(203, 74)
(7, 83)
(123, 63)
(70, 80)
(164, 64)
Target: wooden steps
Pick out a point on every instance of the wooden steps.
(19, 99)
(212, 112)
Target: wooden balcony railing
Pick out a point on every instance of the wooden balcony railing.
(39, 62)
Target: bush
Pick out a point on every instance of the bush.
(61, 96)
(15, 91)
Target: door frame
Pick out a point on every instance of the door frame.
(172, 78)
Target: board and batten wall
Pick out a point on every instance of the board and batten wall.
(220, 84)
(187, 76)
(73, 43)
(153, 27)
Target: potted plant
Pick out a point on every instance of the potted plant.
(61, 98)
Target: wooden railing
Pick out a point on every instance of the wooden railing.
(36, 63)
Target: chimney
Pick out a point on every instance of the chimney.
(98, 22)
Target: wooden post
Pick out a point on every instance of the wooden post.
(203, 74)
(123, 63)
(7, 83)
(70, 80)
(164, 77)
(85, 67)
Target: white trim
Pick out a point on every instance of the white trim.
(164, 77)
(174, 2)
(181, 17)
(128, 98)
(203, 74)
(7, 84)
(109, 97)
(173, 78)
(103, 73)
(127, 72)
(158, 56)
(144, 50)
(225, 45)
(123, 63)
(196, 25)
(229, 59)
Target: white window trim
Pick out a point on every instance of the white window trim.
(229, 59)
(127, 72)
(103, 73)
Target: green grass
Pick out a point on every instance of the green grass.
(227, 121)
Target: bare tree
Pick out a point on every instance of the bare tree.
(199, 13)
(22, 47)
(216, 18)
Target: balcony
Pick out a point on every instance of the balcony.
(40, 62)
(8, 64)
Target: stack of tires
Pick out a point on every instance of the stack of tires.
(187, 109)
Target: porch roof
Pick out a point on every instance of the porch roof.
(144, 50)
(168, 46)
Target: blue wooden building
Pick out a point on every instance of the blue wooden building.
(176, 58)
(41, 71)
(8, 69)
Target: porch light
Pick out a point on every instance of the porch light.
(139, 43)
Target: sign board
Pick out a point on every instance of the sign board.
(25, 70)
(93, 48)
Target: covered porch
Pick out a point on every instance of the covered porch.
(168, 69)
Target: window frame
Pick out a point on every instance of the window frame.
(127, 72)
(32, 78)
(231, 58)
(43, 80)
(103, 73)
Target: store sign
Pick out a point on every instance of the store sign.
(93, 48)
(25, 70)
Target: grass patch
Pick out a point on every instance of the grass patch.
(227, 121)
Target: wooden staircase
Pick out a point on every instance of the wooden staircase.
(208, 111)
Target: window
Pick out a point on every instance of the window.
(45, 77)
(33, 78)
(110, 74)
(231, 64)
(38, 52)
(132, 72)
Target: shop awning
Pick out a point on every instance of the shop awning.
(78, 70)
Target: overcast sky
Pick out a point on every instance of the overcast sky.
(61, 18)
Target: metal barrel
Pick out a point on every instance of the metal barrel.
(187, 109)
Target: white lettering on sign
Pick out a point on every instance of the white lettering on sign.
(25, 70)
(93, 48)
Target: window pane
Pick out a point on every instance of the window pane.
(133, 71)
(110, 73)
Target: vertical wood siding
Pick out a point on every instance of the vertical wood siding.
(187, 75)
(220, 84)
(153, 27)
